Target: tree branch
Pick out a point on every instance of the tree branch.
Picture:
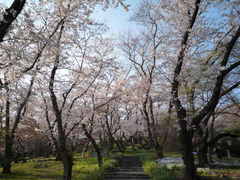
(9, 16)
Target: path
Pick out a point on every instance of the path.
(130, 167)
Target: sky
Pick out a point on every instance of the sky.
(117, 19)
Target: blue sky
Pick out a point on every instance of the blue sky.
(117, 19)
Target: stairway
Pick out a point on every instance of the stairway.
(129, 168)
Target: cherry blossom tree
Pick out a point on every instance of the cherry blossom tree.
(187, 123)
(12, 121)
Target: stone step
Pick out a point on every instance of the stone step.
(114, 178)
(125, 178)
(131, 178)
(125, 175)
(132, 173)
(129, 169)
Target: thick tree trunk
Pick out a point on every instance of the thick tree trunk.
(190, 169)
(67, 165)
(188, 158)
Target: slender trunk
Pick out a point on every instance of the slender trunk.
(8, 155)
(117, 144)
(212, 131)
(99, 157)
(159, 150)
(66, 155)
(8, 139)
(7, 158)
(95, 146)
(203, 156)
(58, 156)
(147, 119)
(112, 139)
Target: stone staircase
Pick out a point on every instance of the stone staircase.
(130, 168)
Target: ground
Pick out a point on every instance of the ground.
(130, 162)
(49, 169)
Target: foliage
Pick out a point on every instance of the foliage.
(160, 172)
(227, 173)
(235, 131)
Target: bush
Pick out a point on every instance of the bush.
(159, 172)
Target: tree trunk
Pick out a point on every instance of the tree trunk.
(111, 138)
(7, 167)
(67, 165)
(7, 156)
(203, 156)
(95, 146)
(190, 169)
(159, 150)
(119, 146)
(188, 158)
(9, 16)
(58, 156)
(99, 157)
(7, 159)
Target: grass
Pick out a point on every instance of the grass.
(49, 169)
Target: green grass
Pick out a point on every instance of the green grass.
(48, 169)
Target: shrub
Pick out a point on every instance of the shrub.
(159, 172)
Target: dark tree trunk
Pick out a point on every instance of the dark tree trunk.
(7, 159)
(203, 156)
(147, 119)
(111, 138)
(203, 145)
(95, 146)
(10, 133)
(8, 156)
(62, 149)
(67, 165)
(9, 17)
(7, 168)
(158, 150)
(58, 156)
(188, 158)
